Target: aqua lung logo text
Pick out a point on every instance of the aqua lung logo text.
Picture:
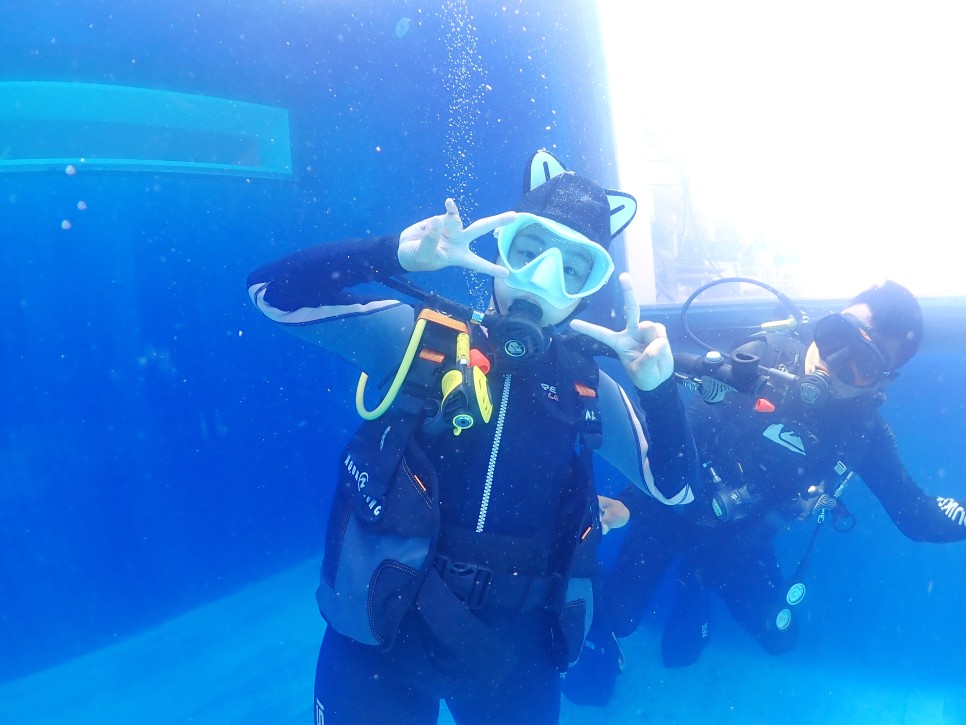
(361, 477)
(362, 480)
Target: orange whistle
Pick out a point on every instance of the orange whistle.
(764, 406)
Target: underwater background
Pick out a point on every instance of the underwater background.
(163, 446)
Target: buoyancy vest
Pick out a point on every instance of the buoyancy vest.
(788, 462)
(386, 552)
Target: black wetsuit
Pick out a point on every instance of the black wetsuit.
(779, 456)
(518, 479)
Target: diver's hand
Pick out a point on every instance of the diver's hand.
(642, 347)
(613, 513)
(441, 241)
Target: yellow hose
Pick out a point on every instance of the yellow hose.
(397, 381)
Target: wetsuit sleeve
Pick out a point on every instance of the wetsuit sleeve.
(309, 293)
(918, 515)
(703, 420)
(648, 441)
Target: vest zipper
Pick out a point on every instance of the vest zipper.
(491, 468)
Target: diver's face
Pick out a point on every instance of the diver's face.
(575, 266)
(840, 388)
(505, 296)
(550, 265)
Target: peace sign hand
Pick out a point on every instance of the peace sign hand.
(642, 347)
(441, 241)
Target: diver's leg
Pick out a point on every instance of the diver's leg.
(687, 629)
(592, 678)
(754, 592)
(654, 538)
(357, 683)
(621, 598)
(528, 695)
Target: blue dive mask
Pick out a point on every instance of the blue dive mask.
(551, 260)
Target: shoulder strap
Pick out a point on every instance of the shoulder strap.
(579, 377)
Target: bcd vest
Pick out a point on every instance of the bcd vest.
(788, 462)
(385, 553)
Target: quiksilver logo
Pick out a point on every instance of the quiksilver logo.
(785, 438)
(952, 508)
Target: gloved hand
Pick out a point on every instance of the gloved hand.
(642, 347)
(441, 241)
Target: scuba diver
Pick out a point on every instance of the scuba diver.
(462, 538)
(773, 447)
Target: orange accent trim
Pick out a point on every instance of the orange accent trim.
(440, 319)
(431, 355)
(584, 535)
(584, 392)
(421, 484)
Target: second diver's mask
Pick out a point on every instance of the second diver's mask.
(850, 350)
(551, 260)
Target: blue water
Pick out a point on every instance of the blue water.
(163, 446)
